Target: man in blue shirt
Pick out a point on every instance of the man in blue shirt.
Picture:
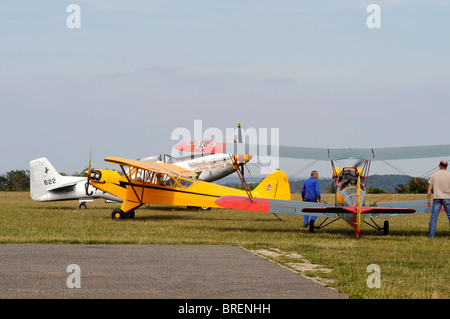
(311, 193)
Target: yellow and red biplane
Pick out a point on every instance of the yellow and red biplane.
(350, 183)
(167, 184)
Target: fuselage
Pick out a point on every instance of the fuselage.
(347, 189)
(139, 186)
(209, 168)
(162, 190)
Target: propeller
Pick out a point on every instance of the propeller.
(242, 159)
(239, 133)
(358, 163)
(88, 176)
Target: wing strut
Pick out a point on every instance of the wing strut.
(358, 207)
(131, 184)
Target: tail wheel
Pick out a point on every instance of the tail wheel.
(117, 214)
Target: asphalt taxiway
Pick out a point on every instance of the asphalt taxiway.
(148, 271)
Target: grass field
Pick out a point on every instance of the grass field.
(411, 264)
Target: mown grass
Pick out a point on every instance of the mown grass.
(411, 264)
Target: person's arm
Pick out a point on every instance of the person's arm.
(319, 198)
(430, 188)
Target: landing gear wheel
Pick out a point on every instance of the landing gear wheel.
(386, 227)
(129, 214)
(311, 226)
(82, 206)
(117, 214)
(198, 208)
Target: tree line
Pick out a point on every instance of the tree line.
(19, 180)
(15, 181)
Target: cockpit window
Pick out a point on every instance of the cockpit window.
(159, 179)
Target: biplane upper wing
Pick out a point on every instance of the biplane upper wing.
(326, 154)
(163, 168)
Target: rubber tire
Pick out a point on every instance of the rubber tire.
(386, 227)
(129, 215)
(311, 226)
(117, 214)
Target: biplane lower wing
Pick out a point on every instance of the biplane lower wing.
(419, 206)
(276, 206)
(288, 207)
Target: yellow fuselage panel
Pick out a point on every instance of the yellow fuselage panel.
(199, 193)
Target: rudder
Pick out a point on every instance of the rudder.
(42, 176)
(274, 186)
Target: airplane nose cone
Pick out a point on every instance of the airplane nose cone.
(242, 159)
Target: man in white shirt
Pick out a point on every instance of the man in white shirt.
(439, 183)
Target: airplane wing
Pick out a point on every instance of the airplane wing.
(419, 206)
(326, 154)
(277, 206)
(290, 207)
(164, 168)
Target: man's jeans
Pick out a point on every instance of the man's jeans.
(307, 218)
(435, 209)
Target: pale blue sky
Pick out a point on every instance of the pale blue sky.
(137, 70)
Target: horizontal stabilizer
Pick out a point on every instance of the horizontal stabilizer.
(57, 187)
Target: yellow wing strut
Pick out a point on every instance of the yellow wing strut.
(358, 207)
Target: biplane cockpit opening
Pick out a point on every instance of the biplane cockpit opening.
(348, 176)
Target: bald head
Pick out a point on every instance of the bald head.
(443, 165)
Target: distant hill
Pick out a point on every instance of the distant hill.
(386, 182)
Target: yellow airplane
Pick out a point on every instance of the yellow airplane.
(167, 184)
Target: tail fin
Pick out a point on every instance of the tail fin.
(274, 186)
(43, 176)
